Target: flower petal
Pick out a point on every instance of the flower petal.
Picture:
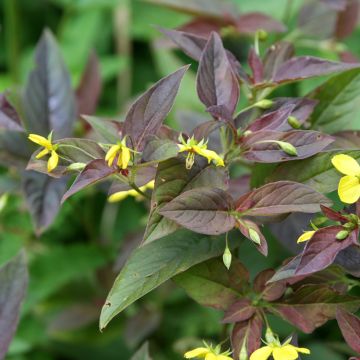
(125, 157)
(211, 356)
(307, 235)
(302, 350)
(201, 351)
(346, 164)
(287, 352)
(349, 189)
(53, 161)
(112, 153)
(118, 196)
(40, 140)
(261, 354)
(223, 357)
(210, 155)
(42, 153)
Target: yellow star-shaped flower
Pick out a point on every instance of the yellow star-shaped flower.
(122, 152)
(349, 185)
(278, 351)
(208, 353)
(193, 147)
(306, 236)
(49, 148)
(121, 195)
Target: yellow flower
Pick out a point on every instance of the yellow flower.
(121, 195)
(285, 351)
(122, 152)
(208, 353)
(307, 235)
(349, 185)
(49, 148)
(194, 147)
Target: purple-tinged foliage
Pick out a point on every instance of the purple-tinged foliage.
(349, 325)
(147, 114)
(216, 82)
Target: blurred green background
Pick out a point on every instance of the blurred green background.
(73, 264)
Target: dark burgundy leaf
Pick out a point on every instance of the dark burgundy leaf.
(9, 119)
(216, 81)
(248, 332)
(251, 22)
(347, 19)
(350, 328)
(274, 120)
(147, 114)
(49, 101)
(202, 26)
(349, 260)
(203, 130)
(256, 66)
(220, 112)
(348, 57)
(239, 311)
(303, 108)
(192, 45)
(89, 89)
(94, 171)
(320, 251)
(346, 140)
(275, 56)
(43, 196)
(333, 215)
(304, 67)
(239, 186)
(280, 198)
(159, 149)
(270, 291)
(15, 148)
(307, 143)
(13, 285)
(310, 306)
(203, 210)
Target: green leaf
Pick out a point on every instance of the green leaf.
(338, 103)
(10, 245)
(211, 284)
(317, 171)
(154, 263)
(108, 130)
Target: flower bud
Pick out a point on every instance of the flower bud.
(342, 234)
(243, 352)
(261, 34)
(269, 336)
(287, 148)
(293, 122)
(247, 132)
(76, 167)
(254, 236)
(349, 226)
(264, 104)
(227, 258)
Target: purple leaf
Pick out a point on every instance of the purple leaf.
(203, 130)
(256, 66)
(15, 148)
(333, 215)
(305, 67)
(89, 89)
(274, 120)
(48, 100)
(251, 22)
(269, 291)
(94, 171)
(311, 306)
(346, 140)
(275, 56)
(347, 19)
(43, 196)
(9, 119)
(241, 310)
(349, 325)
(216, 81)
(280, 198)
(13, 285)
(307, 143)
(220, 112)
(203, 210)
(159, 149)
(171, 180)
(192, 45)
(320, 251)
(335, 4)
(248, 332)
(147, 114)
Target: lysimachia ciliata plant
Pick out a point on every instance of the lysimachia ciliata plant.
(201, 211)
